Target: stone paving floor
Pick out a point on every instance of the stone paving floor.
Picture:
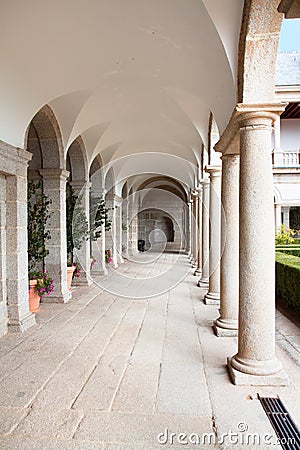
(115, 373)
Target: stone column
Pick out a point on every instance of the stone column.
(203, 282)
(195, 230)
(111, 236)
(132, 226)
(199, 233)
(125, 229)
(98, 245)
(213, 295)
(277, 214)
(189, 228)
(119, 232)
(255, 362)
(54, 185)
(227, 323)
(83, 254)
(15, 247)
(286, 216)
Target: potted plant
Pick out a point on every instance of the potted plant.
(38, 214)
(41, 283)
(108, 258)
(77, 232)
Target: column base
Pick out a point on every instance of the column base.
(197, 272)
(99, 273)
(203, 283)
(212, 298)
(63, 298)
(239, 378)
(81, 281)
(225, 328)
(21, 325)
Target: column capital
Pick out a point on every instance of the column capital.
(214, 171)
(62, 174)
(247, 115)
(98, 192)
(79, 184)
(195, 193)
(204, 182)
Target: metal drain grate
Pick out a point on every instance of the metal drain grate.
(284, 426)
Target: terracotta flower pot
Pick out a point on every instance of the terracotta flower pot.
(34, 299)
(70, 271)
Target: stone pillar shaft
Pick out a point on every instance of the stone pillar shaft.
(189, 228)
(195, 230)
(54, 186)
(227, 323)
(213, 295)
(286, 216)
(111, 236)
(119, 232)
(19, 317)
(203, 282)
(82, 188)
(277, 218)
(255, 362)
(199, 233)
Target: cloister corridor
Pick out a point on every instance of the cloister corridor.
(108, 372)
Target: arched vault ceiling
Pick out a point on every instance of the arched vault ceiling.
(142, 164)
(145, 69)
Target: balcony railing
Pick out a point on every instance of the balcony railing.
(288, 158)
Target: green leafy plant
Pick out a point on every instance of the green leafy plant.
(77, 224)
(45, 282)
(285, 236)
(38, 214)
(98, 217)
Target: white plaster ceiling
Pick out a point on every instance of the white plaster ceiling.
(130, 76)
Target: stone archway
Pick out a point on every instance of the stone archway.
(44, 141)
(78, 185)
(165, 225)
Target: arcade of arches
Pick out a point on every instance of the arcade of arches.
(178, 146)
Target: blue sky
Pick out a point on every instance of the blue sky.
(290, 35)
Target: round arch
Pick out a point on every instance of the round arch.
(44, 140)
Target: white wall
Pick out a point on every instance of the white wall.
(290, 134)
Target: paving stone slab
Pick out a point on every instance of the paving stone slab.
(10, 418)
(138, 389)
(138, 428)
(13, 443)
(182, 390)
(55, 423)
